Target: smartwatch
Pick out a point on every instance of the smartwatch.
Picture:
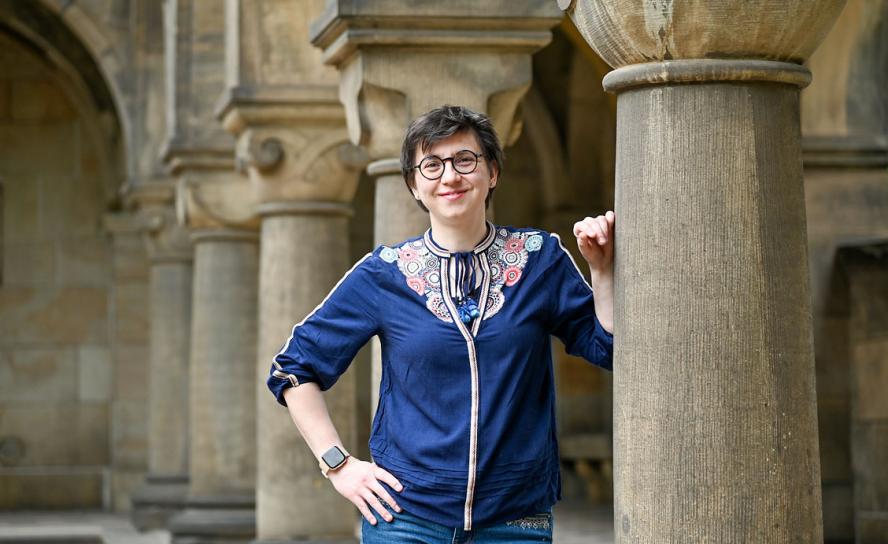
(332, 460)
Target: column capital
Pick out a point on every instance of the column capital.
(292, 143)
(625, 32)
(154, 201)
(476, 55)
(210, 193)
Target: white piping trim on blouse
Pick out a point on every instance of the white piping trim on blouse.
(277, 365)
(569, 256)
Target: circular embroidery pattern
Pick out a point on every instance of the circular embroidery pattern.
(506, 259)
(514, 244)
(417, 284)
(512, 275)
(388, 255)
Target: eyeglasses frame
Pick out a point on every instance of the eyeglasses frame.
(444, 164)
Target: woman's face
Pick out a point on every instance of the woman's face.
(455, 197)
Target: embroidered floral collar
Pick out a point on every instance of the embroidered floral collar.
(502, 256)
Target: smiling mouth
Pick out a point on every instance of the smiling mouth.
(452, 195)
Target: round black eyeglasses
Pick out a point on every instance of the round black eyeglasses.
(464, 162)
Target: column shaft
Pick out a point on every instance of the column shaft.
(303, 256)
(170, 341)
(166, 484)
(222, 390)
(223, 348)
(715, 409)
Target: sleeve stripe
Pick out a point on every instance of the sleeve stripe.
(569, 256)
(318, 307)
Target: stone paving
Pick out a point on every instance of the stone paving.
(574, 524)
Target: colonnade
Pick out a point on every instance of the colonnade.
(276, 109)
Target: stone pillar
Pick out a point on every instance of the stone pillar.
(715, 422)
(169, 253)
(218, 207)
(479, 55)
(282, 104)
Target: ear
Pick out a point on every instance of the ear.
(494, 174)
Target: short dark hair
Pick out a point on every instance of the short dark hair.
(442, 123)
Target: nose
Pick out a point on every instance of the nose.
(450, 174)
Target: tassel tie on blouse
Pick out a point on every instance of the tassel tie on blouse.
(466, 303)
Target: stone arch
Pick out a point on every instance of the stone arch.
(61, 162)
(67, 38)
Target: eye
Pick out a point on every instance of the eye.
(431, 165)
(464, 159)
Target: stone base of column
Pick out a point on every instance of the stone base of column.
(216, 520)
(157, 500)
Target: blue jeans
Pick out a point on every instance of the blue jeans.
(406, 528)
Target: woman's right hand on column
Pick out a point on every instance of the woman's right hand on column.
(359, 482)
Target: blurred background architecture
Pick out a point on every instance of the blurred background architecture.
(182, 180)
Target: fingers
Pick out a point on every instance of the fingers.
(384, 495)
(373, 501)
(364, 509)
(594, 230)
(385, 476)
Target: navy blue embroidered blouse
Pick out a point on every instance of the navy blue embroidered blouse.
(466, 417)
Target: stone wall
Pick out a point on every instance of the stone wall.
(57, 318)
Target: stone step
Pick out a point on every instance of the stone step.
(52, 534)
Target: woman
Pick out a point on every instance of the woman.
(463, 440)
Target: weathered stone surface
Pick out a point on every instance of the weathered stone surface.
(69, 315)
(60, 434)
(223, 359)
(129, 434)
(872, 528)
(131, 320)
(21, 217)
(130, 372)
(834, 418)
(631, 32)
(170, 342)
(124, 483)
(4, 100)
(718, 317)
(870, 451)
(378, 86)
(83, 262)
(29, 490)
(40, 101)
(30, 374)
(871, 380)
(95, 374)
(29, 263)
(838, 511)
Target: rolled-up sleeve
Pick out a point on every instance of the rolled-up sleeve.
(572, 314)
(322, 346)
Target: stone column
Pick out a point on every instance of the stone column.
(169, 253)
(217, 205)
(398, 61)
(282, 104)
(715, 421)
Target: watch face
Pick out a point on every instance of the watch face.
(334, 457)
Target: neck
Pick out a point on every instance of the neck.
(459, 236)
